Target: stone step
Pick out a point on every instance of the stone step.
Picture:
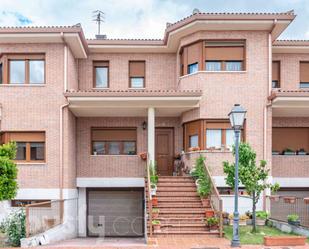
(185, 232)
(181, 211)
(183, 220)
(176, 184)
(180, 199)
(177, 189)
(162, 204)
(176, 194)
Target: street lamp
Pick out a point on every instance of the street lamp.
(237, 117)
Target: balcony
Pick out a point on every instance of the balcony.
(290, 166)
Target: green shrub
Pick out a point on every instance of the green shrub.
(14, 226)
(204, 186)
(293, 217)
(203, 180)
(156, 222)
(262, 215)
(212, 221)
(153, 174)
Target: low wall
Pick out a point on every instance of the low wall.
(244, 204)
(287, 228)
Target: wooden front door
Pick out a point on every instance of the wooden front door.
(164, 151)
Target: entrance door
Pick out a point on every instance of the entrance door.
(164, 151)
(115, 213)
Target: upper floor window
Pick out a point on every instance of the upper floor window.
(193, 141)
(224, 55)
(137, 74)
(30, 145)
(22, 69)
(276, 74)
(113, 141)
(304, 74)
(191, 58)
(101, 74)
(192, 68)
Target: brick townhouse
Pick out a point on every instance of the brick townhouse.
(83, 110)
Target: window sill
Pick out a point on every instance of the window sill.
(209, 151)
(213, 72)
(23, 85)
(100, 88)
(31, 163)
(137, 88)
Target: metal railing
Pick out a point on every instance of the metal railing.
(43, 216)
(282, 206)
(149, 198)
(216, 201)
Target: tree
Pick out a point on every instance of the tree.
(252, 176)
(8, 171)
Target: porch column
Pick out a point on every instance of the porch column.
(151, 135)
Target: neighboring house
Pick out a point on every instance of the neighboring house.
(82, 110)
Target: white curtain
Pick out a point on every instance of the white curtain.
(213, 138)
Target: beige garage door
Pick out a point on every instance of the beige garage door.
(115, 213)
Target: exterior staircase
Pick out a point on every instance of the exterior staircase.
(181, 211)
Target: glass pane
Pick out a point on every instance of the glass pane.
(101, 76)
(275, 84)
(114, 148)
(98, 148)
(1, 68)
(36, 68)
(37, 151)
(213, 138)
(304, 84)
(213, 66)
(129, 148)
(192, 68)
(230, 138)
(17, 72)
(233, 65)
(21, 151)
(137, 82)
(193, 141)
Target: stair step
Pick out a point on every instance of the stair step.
(176, 193)
(185, 232)
(180, 199)
(176, 189)
(180, 204)
(181, 211)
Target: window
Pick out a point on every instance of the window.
(230, 138)
(113, 141)
(101, 74)
(23, 69)
(192, 68)
(193, 141)
(304, 74)
(30, 145)
(213, 138)
(137, 74)
(22, 203)
(213, 66)
(276, 74)
(224, 55)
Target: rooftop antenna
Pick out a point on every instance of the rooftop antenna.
(98, 17)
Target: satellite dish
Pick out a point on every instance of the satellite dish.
(196, 11)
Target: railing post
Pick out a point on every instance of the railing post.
(27, 222)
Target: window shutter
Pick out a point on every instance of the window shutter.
(137, 68)
(304, 72)
(276, 71)
(100, 63)
(224, 51)
(194, 53)
(114, 135)
(25, 136)
(213, 125)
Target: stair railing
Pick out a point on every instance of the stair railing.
(149, 197)
(216, 201)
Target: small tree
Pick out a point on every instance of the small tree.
(8, 171)
(251, 175)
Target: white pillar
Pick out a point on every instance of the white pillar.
(151, 135)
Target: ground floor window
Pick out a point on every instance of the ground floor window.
(30, 145)
(113, 141)
(22, 203)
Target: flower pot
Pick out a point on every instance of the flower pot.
(301, 153)
(275, 198)
(260, 222)
(153, 190)
(156, 228)
(213, 228)
(289, 153)
(143, 156)
(284, 241)
(231, 222)
(209, 213)
(275, 153)
(290, 200)
(294, 223)
(205, 202)
(242, 222)
(155, 215)
(154, 201)
(306, 200)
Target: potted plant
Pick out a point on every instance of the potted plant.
(301, 152)
(225, 217)
(275, 152)
(261, 217)
(289, 199)
(289, 151)
(212, 223)
(243, 220)
(156, 225)
(274, 189)
(293, 219)
(249, 215)
(154, 201)
(143, 156)
(155, 213)
(191, 149)
(209, 213)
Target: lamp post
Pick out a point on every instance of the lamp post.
(237, 117)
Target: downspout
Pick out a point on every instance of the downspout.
(65, 63)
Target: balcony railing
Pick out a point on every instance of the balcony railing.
(290, 165)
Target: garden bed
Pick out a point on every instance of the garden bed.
(248, 238)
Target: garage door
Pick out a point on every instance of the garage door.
(115, 213)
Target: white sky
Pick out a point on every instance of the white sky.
(140, 18)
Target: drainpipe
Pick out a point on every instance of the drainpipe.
(65, 63)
